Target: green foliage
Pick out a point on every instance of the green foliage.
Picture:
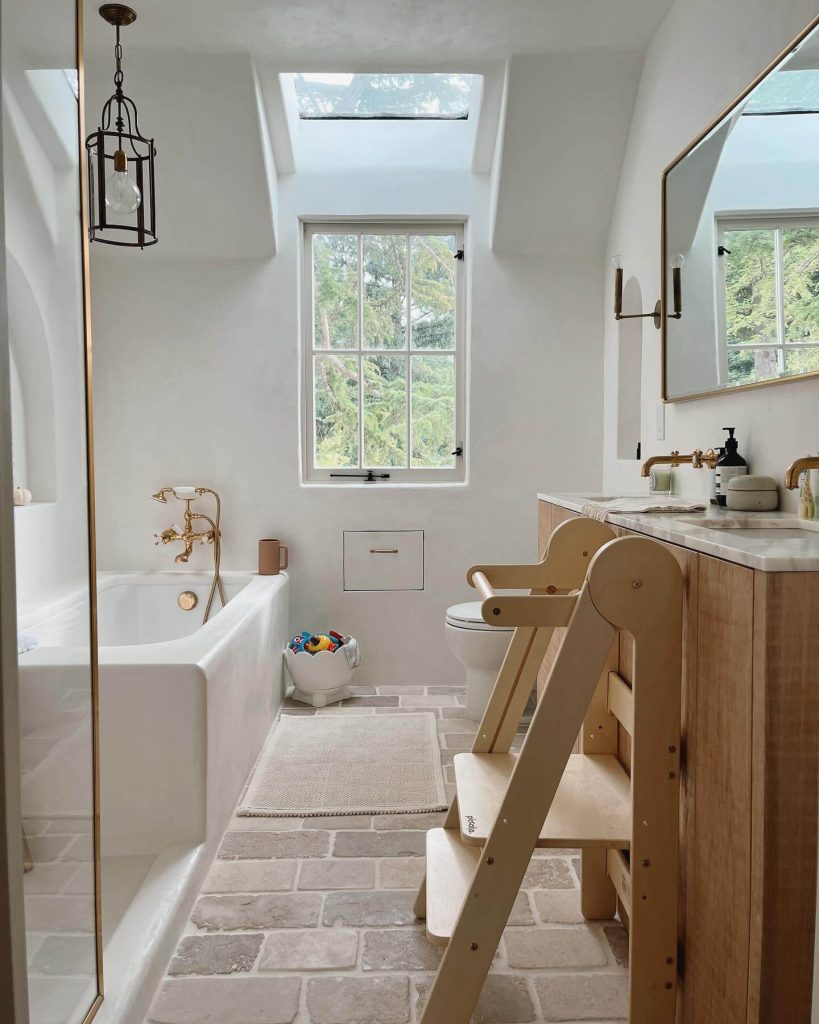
(384, 95)
(390, 382)
(751, 302)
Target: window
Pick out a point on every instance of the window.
(384, 365)
(769, 308)
(786, 92)
(387, 96)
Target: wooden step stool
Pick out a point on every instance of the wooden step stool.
(506, 805)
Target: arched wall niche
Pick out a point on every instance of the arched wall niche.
(33, 406)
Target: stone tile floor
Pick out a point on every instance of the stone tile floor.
(310, 921)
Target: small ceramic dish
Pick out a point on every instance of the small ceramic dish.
(752, 494)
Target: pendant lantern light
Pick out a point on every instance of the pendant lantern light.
(121, 193)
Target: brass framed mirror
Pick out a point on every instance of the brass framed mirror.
(49, 396)
(740, 238)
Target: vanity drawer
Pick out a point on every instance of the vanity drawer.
(384, 560)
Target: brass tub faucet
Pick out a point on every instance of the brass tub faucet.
(796, 468)
(188, 535)
(697, 459)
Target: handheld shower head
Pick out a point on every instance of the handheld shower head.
(160, 495)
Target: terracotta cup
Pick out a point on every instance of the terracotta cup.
(273, 557)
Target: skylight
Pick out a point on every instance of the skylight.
(383, 96)
(786, 92)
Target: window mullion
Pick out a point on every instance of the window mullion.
(360, 351)
(780, 300)
(407, 357)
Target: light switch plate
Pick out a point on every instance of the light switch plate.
(660, 422)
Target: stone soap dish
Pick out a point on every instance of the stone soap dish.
(752, 494)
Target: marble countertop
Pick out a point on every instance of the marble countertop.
(769, 550)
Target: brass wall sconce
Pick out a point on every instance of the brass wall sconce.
(656, 314)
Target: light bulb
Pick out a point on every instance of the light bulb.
(617, 262)
(677, 261)
(121, 194)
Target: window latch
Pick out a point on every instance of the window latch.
(459, 255)
(722, 251)
(458, 451)
(369, 476)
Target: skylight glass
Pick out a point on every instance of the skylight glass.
(786, 92)
(403, 97)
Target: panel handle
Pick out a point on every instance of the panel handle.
(383, 551)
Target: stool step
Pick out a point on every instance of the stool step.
(592, 806)
(451, 866)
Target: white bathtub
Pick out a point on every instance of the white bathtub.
(184, 708)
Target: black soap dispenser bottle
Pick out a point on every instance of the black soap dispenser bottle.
(729, 464)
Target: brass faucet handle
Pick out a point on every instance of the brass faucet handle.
(710, 458)
(675, 460)
(696, 458)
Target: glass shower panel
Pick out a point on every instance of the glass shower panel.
(55, 596)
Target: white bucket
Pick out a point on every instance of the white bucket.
(319, 679)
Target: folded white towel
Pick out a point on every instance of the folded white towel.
(351, 651)
(627, 506)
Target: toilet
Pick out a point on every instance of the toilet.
(480, 648)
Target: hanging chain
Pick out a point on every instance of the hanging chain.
(118, 80)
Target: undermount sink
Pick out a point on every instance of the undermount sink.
(789, 528)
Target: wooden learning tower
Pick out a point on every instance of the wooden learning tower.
(506, 805)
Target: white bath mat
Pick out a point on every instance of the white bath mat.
(347, 764)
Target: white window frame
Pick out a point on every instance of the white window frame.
(401, 476)
(768, 221)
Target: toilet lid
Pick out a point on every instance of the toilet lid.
(468, 616)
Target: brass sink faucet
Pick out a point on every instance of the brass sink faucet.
(796, 468)
(697, 459)
(212, 534)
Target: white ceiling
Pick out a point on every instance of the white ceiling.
(350, 35)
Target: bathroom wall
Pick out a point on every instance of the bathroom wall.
(701, 57)
(196, 381)
(205, 382)
(45, 332)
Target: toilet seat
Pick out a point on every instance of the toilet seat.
(468, 616)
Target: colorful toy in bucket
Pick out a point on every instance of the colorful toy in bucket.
(312, 643)
(324, 676)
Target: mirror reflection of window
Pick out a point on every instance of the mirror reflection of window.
(770, 299)
(742, 205)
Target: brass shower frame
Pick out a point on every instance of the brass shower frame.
(91, 498)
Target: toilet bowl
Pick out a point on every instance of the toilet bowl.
(480, 648)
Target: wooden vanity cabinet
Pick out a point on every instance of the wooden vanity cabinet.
(750, 787)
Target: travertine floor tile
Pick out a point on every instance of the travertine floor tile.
(262, 845)
(315, 950)
(570, 997)
(251, 876)
(399, 949)
(372, 1000)
(232, 912)
(401, 872)
(545, 948)
(227, 1001)
(380, 844)
(337, 874)
(369, 908)
(215, 954)
(310, 921)
(505, 999)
